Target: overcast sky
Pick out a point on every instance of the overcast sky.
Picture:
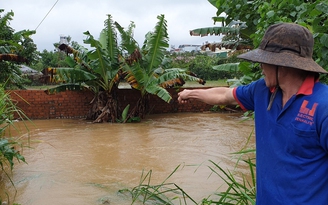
(73, 17)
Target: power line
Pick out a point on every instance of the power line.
(47, 14)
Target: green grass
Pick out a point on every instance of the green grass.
(212, 83)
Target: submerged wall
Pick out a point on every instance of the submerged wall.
(75, 104)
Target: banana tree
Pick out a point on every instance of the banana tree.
(102, 68)
(145, 69)
(98, 70)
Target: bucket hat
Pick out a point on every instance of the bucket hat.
(287, 45)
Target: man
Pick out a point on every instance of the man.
(291, 117)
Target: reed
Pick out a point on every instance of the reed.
(10, 146)
(164, 193)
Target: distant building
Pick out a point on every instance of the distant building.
(185, 48)
(63, 40)
(30, 73)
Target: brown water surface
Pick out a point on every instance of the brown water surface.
(74, 162)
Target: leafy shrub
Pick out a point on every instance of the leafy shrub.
(202, 65)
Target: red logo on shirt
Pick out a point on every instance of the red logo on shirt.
(306, 114)
(306, 110)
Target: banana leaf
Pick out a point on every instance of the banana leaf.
(108, 40)
(128, 43)
(162, 93)
(174, 73)
(229, 67)
(157, 43)
(65, 87)
(73, 75)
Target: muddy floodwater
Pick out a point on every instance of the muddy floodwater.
(74, 162)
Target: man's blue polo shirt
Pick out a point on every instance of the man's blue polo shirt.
(291, 143)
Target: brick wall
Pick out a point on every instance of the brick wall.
(75, 104)
(38, 105)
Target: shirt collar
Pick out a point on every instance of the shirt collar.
(307, 85)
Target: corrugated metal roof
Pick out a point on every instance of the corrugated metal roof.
(27, 70)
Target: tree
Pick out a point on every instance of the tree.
(146, 67)
(259, 15)
(95, 70)
(15, 48)
(52, 59)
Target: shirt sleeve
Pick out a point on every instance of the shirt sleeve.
(245, 95)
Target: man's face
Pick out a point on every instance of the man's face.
(269, 72)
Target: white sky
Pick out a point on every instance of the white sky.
(73, 17)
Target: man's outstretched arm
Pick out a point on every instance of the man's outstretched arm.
(212, 96)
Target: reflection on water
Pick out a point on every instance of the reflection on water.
(76, 162)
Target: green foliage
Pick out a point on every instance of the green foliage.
(125, 116)
(102, 62)
(311, 14)
(229, 67)
(238, 192)
(73, 75)
(107, 63)
(51, 59)
(75, 80)
(152, 56)
(156, 45)
(8, 153)
(149, 65)
(54, 59)
(128, 43)
(17, 43)
(9, 145)
(11, 73)
(241, 25)
(94, 69)
(202, 65)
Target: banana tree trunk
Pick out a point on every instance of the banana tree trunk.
(104, 108)
(141, 108)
